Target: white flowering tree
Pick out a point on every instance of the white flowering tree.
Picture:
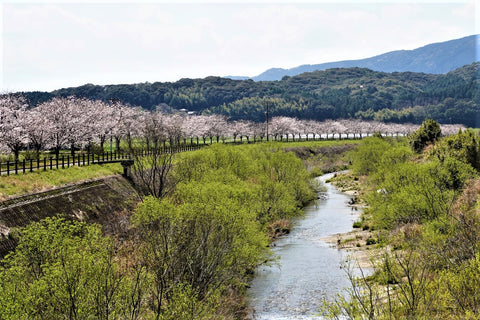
(13, 134)
(241, 128)
(39, 130)
(58, 114)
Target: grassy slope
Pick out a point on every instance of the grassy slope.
(16, 185)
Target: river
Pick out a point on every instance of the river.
(308, 268)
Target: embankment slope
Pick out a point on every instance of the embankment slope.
(107, 201)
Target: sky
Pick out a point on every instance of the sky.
(57, 44)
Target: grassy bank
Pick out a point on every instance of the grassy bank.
(21, 184)
(423, 214)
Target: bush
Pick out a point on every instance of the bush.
(428, 133)
(357, 224)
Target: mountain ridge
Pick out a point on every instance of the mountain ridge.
(434, 58)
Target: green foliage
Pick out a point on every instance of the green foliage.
(368, 154)
(417, 192)
(461, 287)
(428, 133)
(210, 233)
(184, 304)
(278, 184)
(61, 269)
(428, 210)
(464, 146)
(187, 249)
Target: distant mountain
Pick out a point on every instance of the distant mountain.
(437, 58)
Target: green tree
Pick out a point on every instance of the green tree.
(366, 157)
(463, 146)
(61, 269)
(428, 133)
(417, 192)
(203, 237)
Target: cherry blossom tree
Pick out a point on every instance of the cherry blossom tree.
(129, 124)
(450, 129)
(189, 128)
(309, 128)
(257, 129)
(39, 131)
(216, 126)
(154, 132)
(102, 123)
(58, 114)
(202, 127)
(173, 126)
(239, 128)
(13, 123)
(280, 126)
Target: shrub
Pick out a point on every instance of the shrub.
(428, 133)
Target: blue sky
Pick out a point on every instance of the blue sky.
(50, 45)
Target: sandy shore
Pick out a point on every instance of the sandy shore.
(355, 244)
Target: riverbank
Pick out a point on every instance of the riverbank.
(354, 243)
(359, 243)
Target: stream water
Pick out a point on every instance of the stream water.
(308, 269)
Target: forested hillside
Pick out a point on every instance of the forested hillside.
(331, 94)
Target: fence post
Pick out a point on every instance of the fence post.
(68, 161)
(51, 163)
(44, 164)
(24, 165)
(16, 166)
(57, 160)
(83, 156)
(78, 160)
(8, 168)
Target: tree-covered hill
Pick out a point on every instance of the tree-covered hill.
(331, 94)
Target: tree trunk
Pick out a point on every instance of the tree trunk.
(117, 144)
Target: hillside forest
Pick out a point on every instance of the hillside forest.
(340, 93)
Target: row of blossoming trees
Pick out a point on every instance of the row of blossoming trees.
(70, 122)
